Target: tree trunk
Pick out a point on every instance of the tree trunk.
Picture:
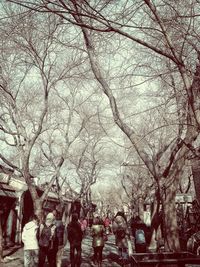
(1, 241)
(37, 205)
(176, 160)
(196, 177)
(155, 221)
(141, 207)
(171, 235)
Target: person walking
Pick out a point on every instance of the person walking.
(83, 222)
(75, 236)
(60, 238)
(107, 223)
(121, 233)
(97, 233)
(29, 238)
(47, 241)
(139, 230)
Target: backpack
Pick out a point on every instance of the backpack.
(140, 236)
(120, 233)
(45, 237)
(193, 243)
(197, 237)
(59, 234)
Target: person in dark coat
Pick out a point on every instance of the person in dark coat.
(120, 230)
(47, 237)
(75, 236)
(76, 207)
(60, 238)
(139, 230)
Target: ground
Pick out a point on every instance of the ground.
(110, 258)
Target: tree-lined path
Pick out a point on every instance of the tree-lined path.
(100, 102)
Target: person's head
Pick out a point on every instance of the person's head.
(58, 216)
(57, 212)
(97, 220)
(59, 209)
(74, 217)
(34, 218)
(138, 220)
(120, 213)
(77, 200)
(50, 219)
(54, 211)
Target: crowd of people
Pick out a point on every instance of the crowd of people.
(46, 240)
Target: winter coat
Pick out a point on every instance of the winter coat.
(120, 229)
(97, 232)
(74, 232)
(60, 233)
(29, 236)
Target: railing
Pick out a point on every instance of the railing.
(165, 259)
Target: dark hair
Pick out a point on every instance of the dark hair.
(138, 220)
(34, 217)
(58, 216)
(121, 213)
(97, 220)
(74, 217)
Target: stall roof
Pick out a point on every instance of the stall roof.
(7, 191)
(54, 197)
(183, 198)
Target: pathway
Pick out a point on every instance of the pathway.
(110, 258)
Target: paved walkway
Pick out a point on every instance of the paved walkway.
(110, 258)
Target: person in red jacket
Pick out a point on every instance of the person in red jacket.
(83, 222)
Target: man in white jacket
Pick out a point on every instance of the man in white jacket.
(29, 238)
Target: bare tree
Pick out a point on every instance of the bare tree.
(154, 28)
(169, 175)
(23, 115)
